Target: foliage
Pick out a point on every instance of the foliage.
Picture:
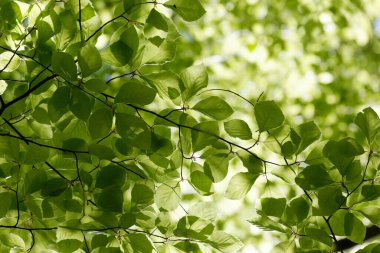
(103, 131)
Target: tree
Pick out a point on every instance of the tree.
(111, 142)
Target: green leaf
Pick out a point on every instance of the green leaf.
(89, 60)
(168, 195)
(110, 175)
(6, 199)
(140, 243)
(201, 182)
(341, 153)
(69, 245)
(128, 125)
(12, 240)
(193, 227)
(96, 85)
(273, 206)
(238, 128)
(216, 167)
(267, 224)
(100, 123)
(354, 228)
(214, 107)
(370, 248)
(34, 180)
(142, 195)
(224, 242)
(253, 164)
(313, 177)
(187, 247)
(370, 192)
(240, 184)
(75, 144)
(369, 123)
(80, 105)
(329, 200)
(268, 115)
(297, 210)
(35, 154)
(68, 70)
(10, 13)
(101, 151)
(68, 28)
(319, 235)
(111, 199)
(205, 134)
(371, 212)
(188, 11)
(127, 220)
(134, 92)
(129, 4)
(194, 79)
(308, 133)
(54, 187)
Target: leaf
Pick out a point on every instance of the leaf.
(9, 63)
(267, 224)
(214, 107)
(140, 243)
(74, 144)
(100, 123)
(370, 248)
(129, 4)
(370, 192)
(64, 65)
(127, 220)
(12, 240)
(253, 164)
(96, 85)
(34, 181)
(80, 105)
(54, 187)
(273, 206)
(240, 184)
(194, 79)
(142, 195)
(371, 212)
(268, 115)
(110, 199)
(168, 195)
(103, 152)
(69, 245)
(193, 227)
(225, 242)
(6, 199)
(35, 154)
(238, 128)
(354, 228)
(188, 11)
(319, 235)
(201, 182)
(216, 167)
(313, 177)
(134, 92)
(204, 134)
(369, 123)
(110, 175)
(89, 60)
(308, 133)
(297, 210)
(341, 153)
(329, 200)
